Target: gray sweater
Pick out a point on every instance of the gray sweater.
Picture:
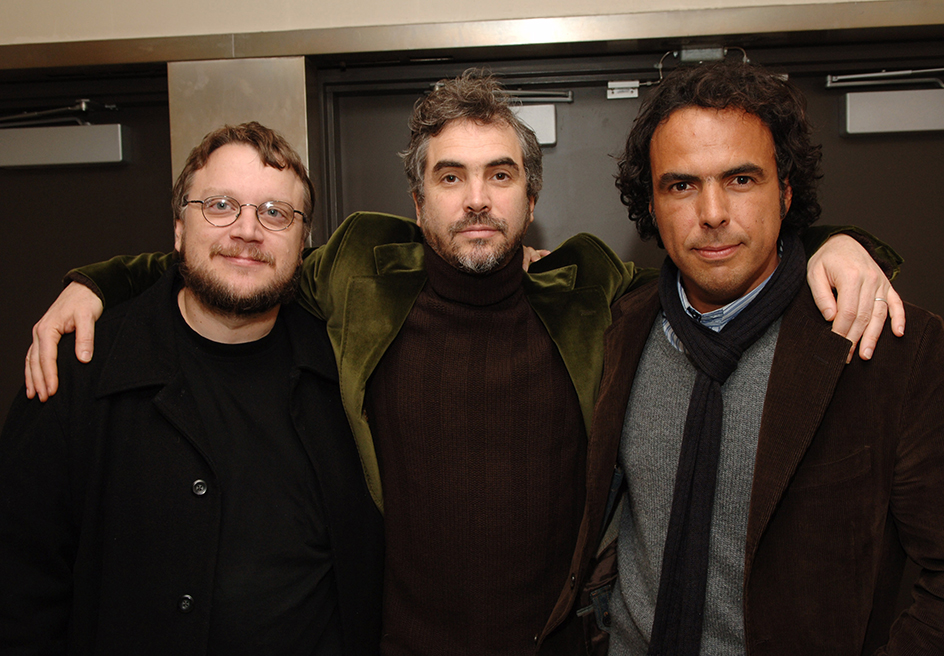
(649, 451)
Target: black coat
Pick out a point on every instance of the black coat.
(109, 508)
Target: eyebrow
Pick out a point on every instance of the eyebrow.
(503, 161)
(670, 177)
(453, 164)
(745, 168)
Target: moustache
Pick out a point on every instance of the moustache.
(472, 219)
(249, 252)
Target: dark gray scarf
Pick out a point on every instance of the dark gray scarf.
(677, 627)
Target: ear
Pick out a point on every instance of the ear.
(178, 234)
(787, 197)
(531, 203)
(416, 204)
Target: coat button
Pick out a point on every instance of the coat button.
(199, 487)
(185, 604)
(573, 581)
(535, 638)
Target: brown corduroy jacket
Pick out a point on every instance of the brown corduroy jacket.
(849, 478)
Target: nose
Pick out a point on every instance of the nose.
(477, 196)
(713, 206)
(247, 225)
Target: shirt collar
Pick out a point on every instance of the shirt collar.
(716, 319)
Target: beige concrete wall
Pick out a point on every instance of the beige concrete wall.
(55, 21)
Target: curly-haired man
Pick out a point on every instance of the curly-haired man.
(773, 515)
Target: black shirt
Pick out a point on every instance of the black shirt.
(274, 586)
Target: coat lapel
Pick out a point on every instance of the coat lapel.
(178, 405)
(375, 308)
(575, 320)
(807, 363)
(373, 325)
(625, 340)
(150, 320)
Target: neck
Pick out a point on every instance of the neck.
(223, 328)
(474, 288)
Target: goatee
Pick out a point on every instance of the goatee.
(219, 298)
(480, 259)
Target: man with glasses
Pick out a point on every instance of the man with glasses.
(196, 489)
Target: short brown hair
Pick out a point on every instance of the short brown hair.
(273, 150)
(478, 96)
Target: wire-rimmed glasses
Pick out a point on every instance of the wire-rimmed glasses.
(222, 211)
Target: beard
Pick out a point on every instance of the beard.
(481, 258)
(219, 298)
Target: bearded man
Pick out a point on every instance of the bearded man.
(196, 490)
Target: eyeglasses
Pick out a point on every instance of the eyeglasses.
(222, 211)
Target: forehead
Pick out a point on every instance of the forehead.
(469, 143)
(237, 170)
(703, 140)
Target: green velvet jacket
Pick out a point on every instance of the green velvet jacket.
(364, 282)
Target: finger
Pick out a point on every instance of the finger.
(874, 329)
(864, 312)
(84, 337)
(46, 364)
(823, 296)
(34, 370)
(896, 309)
(30, 389)
(849, 304)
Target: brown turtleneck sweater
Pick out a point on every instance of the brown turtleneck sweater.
(482, 458)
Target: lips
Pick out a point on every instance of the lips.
(479, 231)
(716, 252)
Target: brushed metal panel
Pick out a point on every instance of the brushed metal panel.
(603, 28)
(912, 110)
(204, 95)
(63, 145)
(542, 119)
(116, 51)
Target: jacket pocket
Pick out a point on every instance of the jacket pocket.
(837, 472)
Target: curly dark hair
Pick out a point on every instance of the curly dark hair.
(478, 96)
(273, 150)
(726, 85)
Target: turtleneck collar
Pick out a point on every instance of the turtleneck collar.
(473, 288)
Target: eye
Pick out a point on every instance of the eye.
(276, 214)
(743, 180)
(680, 186)
(502, 175)
(220, 205)
(272, 212)
(450, 178)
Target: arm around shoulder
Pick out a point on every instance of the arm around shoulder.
(124, 277)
